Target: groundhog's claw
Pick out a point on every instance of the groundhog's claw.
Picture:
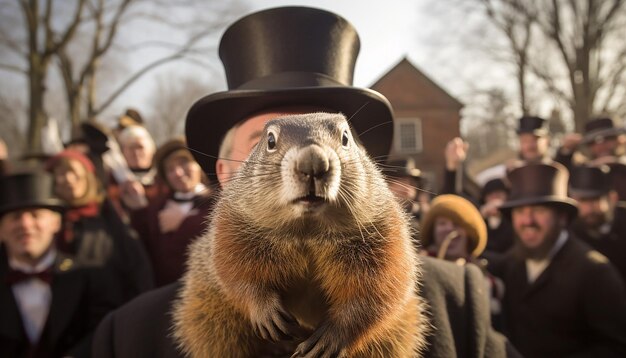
(275, 324)
(321, 344)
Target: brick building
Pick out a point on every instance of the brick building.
(426, 118)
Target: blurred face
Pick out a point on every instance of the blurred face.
(537, 228)
(603, 148)
(496, 197)
(593, 212)
(70, 180)
(28, 234)
(444, 229)
(532, 147)
(138, 153)
(182, 173)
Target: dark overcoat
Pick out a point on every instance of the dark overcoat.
(107, 241)
(81, 297)
(576, 307)
(168, 251)
(457, 308)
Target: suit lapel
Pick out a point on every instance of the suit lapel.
(547, 274)
(11, 325)
(67, 290)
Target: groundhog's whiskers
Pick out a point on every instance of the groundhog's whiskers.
(374, 127)
(232, 160)
(357, 111)
(408, 186)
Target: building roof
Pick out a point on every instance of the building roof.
(408, 87)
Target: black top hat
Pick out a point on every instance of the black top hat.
(598, 129)
(28, 190)
(539, 184)
(91, 133)
(534, 125)
(496, 184)
(587, 182)
(617, 176)
(288, 56)
(403, 168)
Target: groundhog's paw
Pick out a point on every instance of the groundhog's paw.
(274, 323)
(323, 343)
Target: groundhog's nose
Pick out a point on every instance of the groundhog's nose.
(312, 162)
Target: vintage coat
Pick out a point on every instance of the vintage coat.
(80, 298)
(576, 307)
(457, 308)
(106, 241)
(168, 251)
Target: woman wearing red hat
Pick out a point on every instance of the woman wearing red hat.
(92, 230)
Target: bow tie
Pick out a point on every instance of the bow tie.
(16, 276)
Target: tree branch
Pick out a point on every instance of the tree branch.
(13, 68)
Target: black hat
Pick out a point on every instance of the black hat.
(538, 184)
(617, 175)
(587, 182)
(496, 184)
(164, 151)
(534, 125)
(598, 129)
(288, 56)
(403, 168)
(91, 133)
(28, 190)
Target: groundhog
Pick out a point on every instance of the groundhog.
(306, 250)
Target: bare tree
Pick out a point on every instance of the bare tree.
(92, 35)
(170, 101)
(509, 17)
(585, 44)
(44, 39)
(493, 122)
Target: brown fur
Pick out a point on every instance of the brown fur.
(348, 275)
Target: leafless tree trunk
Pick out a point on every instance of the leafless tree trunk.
(42, 43)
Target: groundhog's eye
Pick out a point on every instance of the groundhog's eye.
(344, 138)
(271, 142)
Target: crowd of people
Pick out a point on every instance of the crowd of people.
(103, 227)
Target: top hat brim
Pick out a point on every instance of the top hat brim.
(50, 204)
(603, 133)
(212, 116)
(569, 205)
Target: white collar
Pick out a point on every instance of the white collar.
(45, 262)
(198, 189)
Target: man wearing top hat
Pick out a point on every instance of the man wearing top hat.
(405, 182)
(534, 142)
(285, 61)
(602, 143)
(562, 298)
(49, 306)
(597, 221)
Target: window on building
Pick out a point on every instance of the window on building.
(408, 135)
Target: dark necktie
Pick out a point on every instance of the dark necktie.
(16, 276)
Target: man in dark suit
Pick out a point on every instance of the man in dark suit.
(598, 221)
(49, 306)
(265, 81)
(562, 298)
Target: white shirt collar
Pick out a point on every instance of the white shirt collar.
(198, 189)
(45, 262)
(534, 268)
